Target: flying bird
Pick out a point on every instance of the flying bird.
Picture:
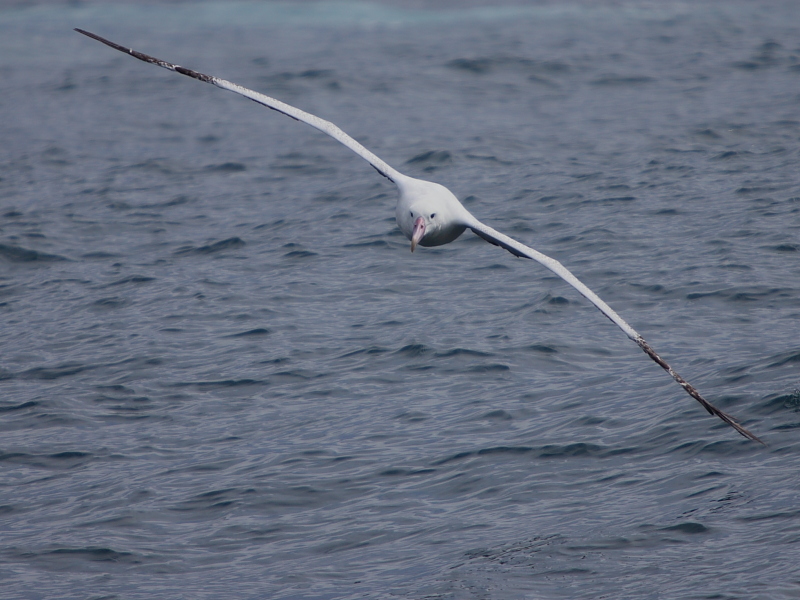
(430, 215)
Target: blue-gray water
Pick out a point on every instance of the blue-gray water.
(224, 375)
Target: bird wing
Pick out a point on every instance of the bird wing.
(518, 249)
(288, 110)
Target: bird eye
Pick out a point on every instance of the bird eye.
(433, 215)
(411, 213)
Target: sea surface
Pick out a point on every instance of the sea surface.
(223, 374)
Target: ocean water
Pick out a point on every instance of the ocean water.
(224, 375)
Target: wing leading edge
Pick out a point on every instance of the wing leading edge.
(518, 249)
(286, 109)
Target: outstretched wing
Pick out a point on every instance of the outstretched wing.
(517, 249)
(290, 111)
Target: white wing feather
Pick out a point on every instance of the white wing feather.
(290, 111)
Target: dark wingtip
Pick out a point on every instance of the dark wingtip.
(88, 34)
(94, 36)
(690, 389)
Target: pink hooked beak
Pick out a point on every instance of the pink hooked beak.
(418, 232)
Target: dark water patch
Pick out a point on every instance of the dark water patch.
(297, 374)
(391, 323)
(110, 303)
(614, 199)
(154, 166)
(490, 368)
(414, 350)
(371, 350)
(733, 295)
(257, 332)
(786, 427)
(497, 415)
(710, 475)
(53, 373)
(783, 248)
(21, 406)
(401, 472)
(484, 65)
(121, 416)
(689, 528)
(490, 158)
(214, 500)
(18, 254)
(226, 244)
(766, 55)
(89, 553)
(719, 448)
(275, 361)
(204, 467)
(461, 352)
(590, 421)
(622, 80)
(100, 255)
(69, 455)
(476, 66)
(557, 301)
(651, 288)
(785, 358)
(413, 417)
(420, 367)
(370, 244)
(300, 254)
(787, 515)
(176, 201)
(115, 387)
(296, 162)
(708, 133)
(139, 400)
(227, 167)
(758, 189)
(120, 206)
(586, 176)
(277, 224)
(729, 154)
(781, 403)
(492, 267)
(131, 279)
(58, 460)
(306, 74)
(516, 553)
(575, 450)
(748, 65)
(432, 160)
(542, 349)
(217, 383)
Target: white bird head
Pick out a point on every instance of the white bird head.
(428, 213)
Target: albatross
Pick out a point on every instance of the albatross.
(430, 215)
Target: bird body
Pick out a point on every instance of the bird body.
(429, 214)
(444, 217)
